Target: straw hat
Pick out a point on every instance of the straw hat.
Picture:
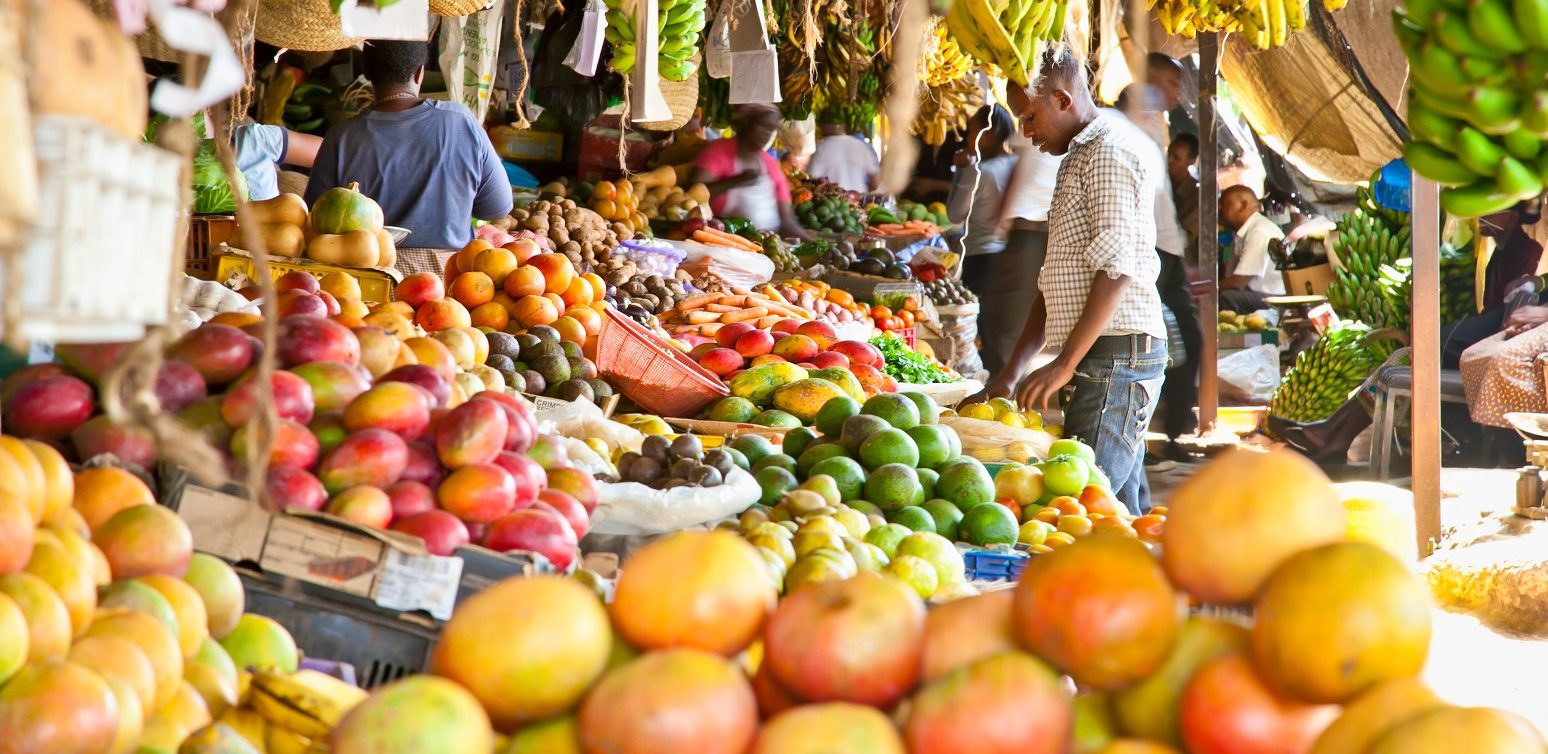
(682, 98)
(307, 25)
(457, 7)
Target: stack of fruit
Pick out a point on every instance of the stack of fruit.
(835, 305)
(706, 314)
(679, 24)
(576, 232)
(1233, 323)
(681, 462)
(1477, 119)
(832, 214)
(1324, 376)
(643, 297)
(1006, 38)
(880, 262)
(344, 227)
(947, 290)
(788, 374)
(1264, 23)
(884, 222)
(675, 204)
(949, 94)
(540, 362)
(784, 259)
(1067, 497)
(1369, 283)
(887, 320)
(618, 206)
(509, 289)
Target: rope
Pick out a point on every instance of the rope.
(623, 127)
(526, 71)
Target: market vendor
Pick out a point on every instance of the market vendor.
(427, 162)
(843, 158)
(1098, 306)
(744, 180)
(1511, 296)
(1253, 274)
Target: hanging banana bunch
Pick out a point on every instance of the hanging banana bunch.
(679, 24)
(948, 92)
(941, 59)
(1006, 36)
(1264, 23)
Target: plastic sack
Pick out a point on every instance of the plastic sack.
(654, 259)
(584, 458)
(993, 442)
(743, 269)
(582, 418)
(955, 337)
(630, 508)
(1250, 376)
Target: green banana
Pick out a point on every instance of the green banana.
(1494, 25)
(1534, 114)
(1518, 180)
(1523, 144)
(1432, 127)
(1478, 152)
(1440, 70)
(1453, 32)
(1494, 109)
(1055, 31)
(1483, 197)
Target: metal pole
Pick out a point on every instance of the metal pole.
(1424, 416)
(1209, 221)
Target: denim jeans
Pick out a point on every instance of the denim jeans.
(1115, 389)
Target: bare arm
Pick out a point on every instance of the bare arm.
(300, 149)
(1039, 388)
(789, 226)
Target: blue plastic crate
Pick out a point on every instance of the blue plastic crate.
(987, 565)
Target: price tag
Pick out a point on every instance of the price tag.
(419, 582)
(544, 406)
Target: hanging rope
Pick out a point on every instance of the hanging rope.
(526, 71)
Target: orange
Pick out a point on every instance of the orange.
(605, 207)
(472, 289)
(557, 271)
(496, 263)
(104, 491)
(570, 330)
(589, 348)
(587, 316)
(532, 311)
(557, 301)
(525, 281)
(604, 190)
(578, 294)
(492, 315)
(598, 285)
(441, 315)
(505, 300)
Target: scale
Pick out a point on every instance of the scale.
(1532, 479)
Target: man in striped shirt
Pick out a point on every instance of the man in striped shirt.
(1098, 306)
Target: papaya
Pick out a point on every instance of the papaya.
(845, 379)
(804, 398)
(759, 383)
(344, 209)
(357, 248)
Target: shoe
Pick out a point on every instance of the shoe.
(1177, 453)
(1158, 464)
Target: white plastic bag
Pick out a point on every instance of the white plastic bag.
(743, 269)
(630, 508)
(1250, 376)
(581, 419)
(995, 442)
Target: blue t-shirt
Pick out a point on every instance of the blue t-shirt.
(430, 167)
(259, 149)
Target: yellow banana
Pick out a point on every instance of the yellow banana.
(283, 741)
(1295, 15)
(1006, 56)
(1277, 21)
(281, 715)
(248, 724)
(315, 695)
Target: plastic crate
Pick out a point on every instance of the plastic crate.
(652, 373)
(985, 565)
(79, 289)
(205, 232)
(380, 647)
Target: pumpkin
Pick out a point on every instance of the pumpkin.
(341, 210)
(357, 248)
(279, 239)
(387, 251)
(285, 208)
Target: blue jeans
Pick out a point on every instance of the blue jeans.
(1115, 389)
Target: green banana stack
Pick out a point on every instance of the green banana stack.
(1325, 374)
(1369, 283)
(1458, 289)
(680, 23)
(1478, 99)
(1006, 35)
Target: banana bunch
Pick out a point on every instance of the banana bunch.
(1371, 282)
(1325, 374)
(945, 109)
(1265, 23)
(941, 59)
(1458, 290)
(1478, 100)
(1006, 35)
(290, 714)
(680, 23)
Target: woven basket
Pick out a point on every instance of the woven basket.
(682, 98)
(656, 376)
(457, 7)
(306, 25)
(150, 44)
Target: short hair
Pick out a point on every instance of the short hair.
(998, 120)
(1239, 189)
(1187, 141)
(1158, 62)
(1059, 69)
(394, 61)
(746, 116)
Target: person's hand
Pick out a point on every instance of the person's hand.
(745, 178)
(1525, 318)
(999, 387)
(964, 159)
(1040, 390)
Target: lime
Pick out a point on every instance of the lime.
(913, 517)
(796, 441)
(775, 460)
(888, 537)
(989, 524)
(846, 473)
(896, 409)
(857, 429)
(939, 551)
(893, 486)
(774, 483)
(934, 443)
(867, 557)
(865, 507)
(731, 409)
(755, 447)
(928, 410)
(830, 418)
(947, 517)
(916, 572)
(739, 458)
(927, 481)
(815, 452)
(964, 482)
(887, 447)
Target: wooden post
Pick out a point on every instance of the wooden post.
(1424, 416)
(1209, 221)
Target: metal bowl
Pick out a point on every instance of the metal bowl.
(398, 234)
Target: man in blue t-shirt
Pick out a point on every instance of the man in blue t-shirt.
(428, 163)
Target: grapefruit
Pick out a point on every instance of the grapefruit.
(153, 639)
(1373, 713)
(1227, 709)
(700, 590)
(857, 640)
(1228, 526)
(1009, 702)
(833, 728)
(1335, 620)
(1475, 729)
(420, 714)
(670, 702)
(59, 708)
(528, 648)
(260, 643)
(1101, 611)
(1148, 709)
(48, 620)
(960, 633)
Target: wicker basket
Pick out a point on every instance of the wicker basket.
(653, 374)
(457, 7)
(682, 98)
(306, 25)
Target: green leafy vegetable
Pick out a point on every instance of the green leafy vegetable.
(905, 364)
(212, 194)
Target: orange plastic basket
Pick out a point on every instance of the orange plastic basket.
(650, 372)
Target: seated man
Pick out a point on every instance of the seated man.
(1254, 276)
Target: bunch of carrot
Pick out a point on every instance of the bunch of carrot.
(911, 228)
(706, 313)
(712, 237)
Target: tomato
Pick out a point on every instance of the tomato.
(880, 312)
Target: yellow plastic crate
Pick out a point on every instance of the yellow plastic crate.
(376, 286)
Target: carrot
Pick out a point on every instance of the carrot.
(704, 318)
(765, 323)
(697, 302)
(744, 315)
(733, 300)
(722, 308)
(710, 329)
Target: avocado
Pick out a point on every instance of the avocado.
(569, 390)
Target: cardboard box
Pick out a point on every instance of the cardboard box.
(1239, 340)
(528, 146)
(1308, 281)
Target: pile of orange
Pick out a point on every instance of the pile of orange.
(886, 319)
(513, 287)
(617, 203)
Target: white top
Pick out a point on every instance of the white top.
(1032, 185)
(977, 193)
(1169, 233)
(1252, 258)
(1102, 222)
(846, 161)
(259, 149)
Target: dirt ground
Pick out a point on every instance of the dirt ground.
(1470, 663)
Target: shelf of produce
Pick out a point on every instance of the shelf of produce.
(870, 287)
(376, 286)
(728, 429)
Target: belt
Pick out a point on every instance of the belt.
(1037, 225)
(1135, 344)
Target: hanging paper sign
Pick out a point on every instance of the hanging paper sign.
(404, 19)
(647, 104)
(717, 46)
(188, 30)
(587, 51)
(131, 13)
(754, 62)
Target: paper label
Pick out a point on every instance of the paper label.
(543, 406)
(587, 51)
(419, 582)
(322, 554)
(405, 19)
